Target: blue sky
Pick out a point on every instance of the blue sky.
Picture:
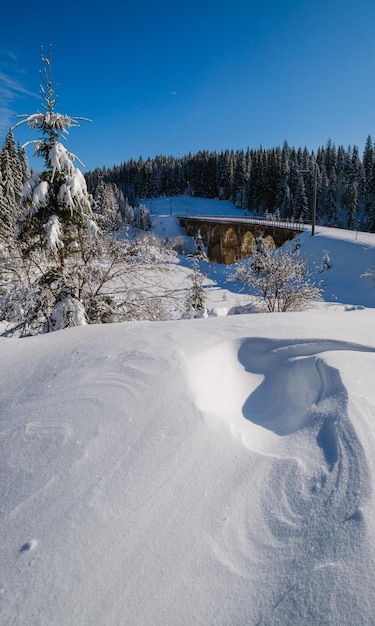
(172, 78)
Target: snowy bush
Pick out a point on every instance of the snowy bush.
(370, 273)
(68, 312)
(113, 281)
(326, 262)
(280, 278)
(177, 243)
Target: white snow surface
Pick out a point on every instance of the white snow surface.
(218, 470)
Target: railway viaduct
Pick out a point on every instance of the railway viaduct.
(230, 239)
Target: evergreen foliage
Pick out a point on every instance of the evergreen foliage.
(57, 216)
(142, 218)
(199, 251)
(13, 173)
(196, 297)
(261, 180)
(60, 270)
(107, 206)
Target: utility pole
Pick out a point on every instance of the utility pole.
(315, 189)
(315, 192)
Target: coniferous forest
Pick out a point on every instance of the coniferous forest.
(275, 181)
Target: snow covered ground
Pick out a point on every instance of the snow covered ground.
(196, 472)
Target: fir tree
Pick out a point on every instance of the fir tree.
(3, 212)
(301, 204)
(143, 218)
(199, 251)
(13, 172)
(63, 271)
(326, 262)
(128, 213)
(57, 215)
(352, 205)
(369, 173)
(107, 206)
(196, 297)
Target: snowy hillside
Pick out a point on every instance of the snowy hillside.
(351, 253)
(196, 472)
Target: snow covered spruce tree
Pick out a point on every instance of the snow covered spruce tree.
(196, 296)
(56, 222)
(199, 251)
(107, 206)
(281, 278)
(143, 218)
(67, 272)
(57, 213)
(13, 173)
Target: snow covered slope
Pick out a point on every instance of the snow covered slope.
(213, 471)
(351, 253)
(193, 472)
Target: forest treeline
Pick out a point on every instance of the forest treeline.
(276, 181)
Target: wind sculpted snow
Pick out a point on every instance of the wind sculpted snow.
(318, 502)
(144, 474)
(317, 477)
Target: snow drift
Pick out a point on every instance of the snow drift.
(190, 472)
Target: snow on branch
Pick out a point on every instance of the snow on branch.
(28, 188)
(54, 233)
(50, 121)
(73, 192)
(61, 160)
(40, 195)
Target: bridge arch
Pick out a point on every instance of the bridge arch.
(230, 239)
(270, 242)
(214, 248)
(247, 245)
(230, 246)
(202, 231)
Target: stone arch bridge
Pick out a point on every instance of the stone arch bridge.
(230, 239)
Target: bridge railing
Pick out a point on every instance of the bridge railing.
(282, 222)
(291, 224)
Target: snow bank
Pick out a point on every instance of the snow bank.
(190, 472)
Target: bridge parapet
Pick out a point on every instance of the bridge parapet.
(230, 239)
